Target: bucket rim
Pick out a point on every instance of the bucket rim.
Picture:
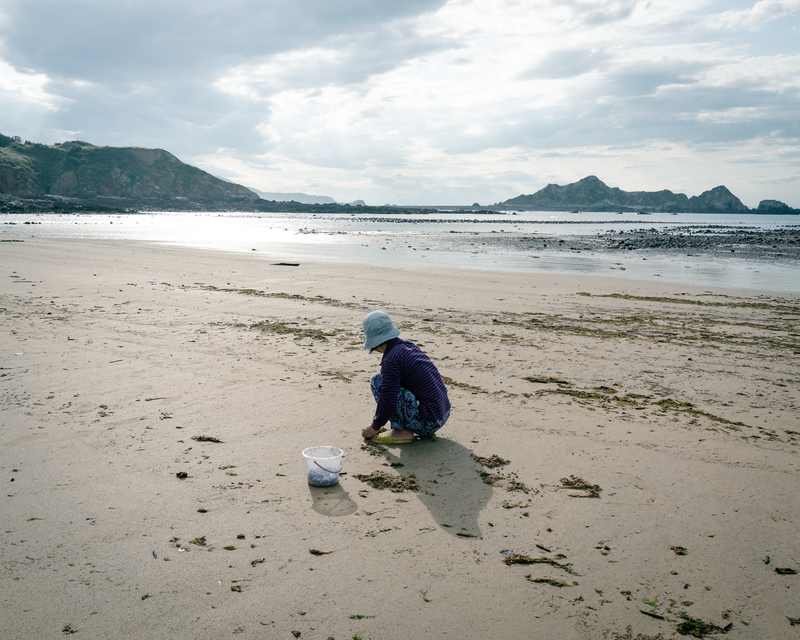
(332, 450)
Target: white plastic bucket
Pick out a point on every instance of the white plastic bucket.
(323, 465)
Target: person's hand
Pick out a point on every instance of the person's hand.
(369, 433)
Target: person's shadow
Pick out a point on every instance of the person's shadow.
(450, 485)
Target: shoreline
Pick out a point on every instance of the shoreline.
(680, 403)
(703, 254)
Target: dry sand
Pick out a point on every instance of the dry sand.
(680, 404)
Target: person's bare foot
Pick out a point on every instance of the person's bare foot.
(402, 434)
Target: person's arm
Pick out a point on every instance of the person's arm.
(369, 433)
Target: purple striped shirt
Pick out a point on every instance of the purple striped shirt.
(405, 365)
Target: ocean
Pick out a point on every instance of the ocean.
(529, 242)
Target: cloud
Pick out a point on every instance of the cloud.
(755, 17)
(27, 103)
(148, 72)
(104, 41)
(429, 97)
(590, 12)
(566, 63)
(27, 87)
(342, 61)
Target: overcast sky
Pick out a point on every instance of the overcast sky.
(421, 101)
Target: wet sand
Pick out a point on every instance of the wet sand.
(675, 407)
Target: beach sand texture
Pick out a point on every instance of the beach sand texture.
(679, 405)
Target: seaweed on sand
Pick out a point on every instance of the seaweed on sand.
(518, 558)
(266, 326)
(550, 581)
(628, 635)
(698, 628)
(547, 380)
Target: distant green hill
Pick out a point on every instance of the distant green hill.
(78, 177)
(83, 170)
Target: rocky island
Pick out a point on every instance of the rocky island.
(592, 194)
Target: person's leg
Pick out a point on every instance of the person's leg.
(405, 416)
(427, 429)
(405, 412)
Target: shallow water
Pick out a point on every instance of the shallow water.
(445, 239)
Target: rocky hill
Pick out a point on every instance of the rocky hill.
(774, 206)
(80, 170)
(592, 194)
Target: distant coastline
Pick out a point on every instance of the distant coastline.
(79, 177)
(11, 204)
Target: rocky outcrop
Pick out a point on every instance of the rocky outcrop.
(592, 194)
(775, 207)
(717, 200)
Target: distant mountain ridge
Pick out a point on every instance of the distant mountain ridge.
(302, 198)
(592, 194)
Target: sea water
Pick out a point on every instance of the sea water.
(437, 240)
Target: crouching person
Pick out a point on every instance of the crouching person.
(409, 390)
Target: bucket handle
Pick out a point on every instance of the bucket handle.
(327, 470)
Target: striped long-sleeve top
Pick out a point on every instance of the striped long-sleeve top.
(405, 365)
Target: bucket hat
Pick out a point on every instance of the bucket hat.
(378, 328)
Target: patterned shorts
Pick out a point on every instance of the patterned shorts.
(406, 412)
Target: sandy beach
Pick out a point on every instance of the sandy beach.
(127, 364)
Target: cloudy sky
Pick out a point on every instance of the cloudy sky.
(421, 101)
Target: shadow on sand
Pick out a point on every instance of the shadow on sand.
(450, 486)
(332, 501)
